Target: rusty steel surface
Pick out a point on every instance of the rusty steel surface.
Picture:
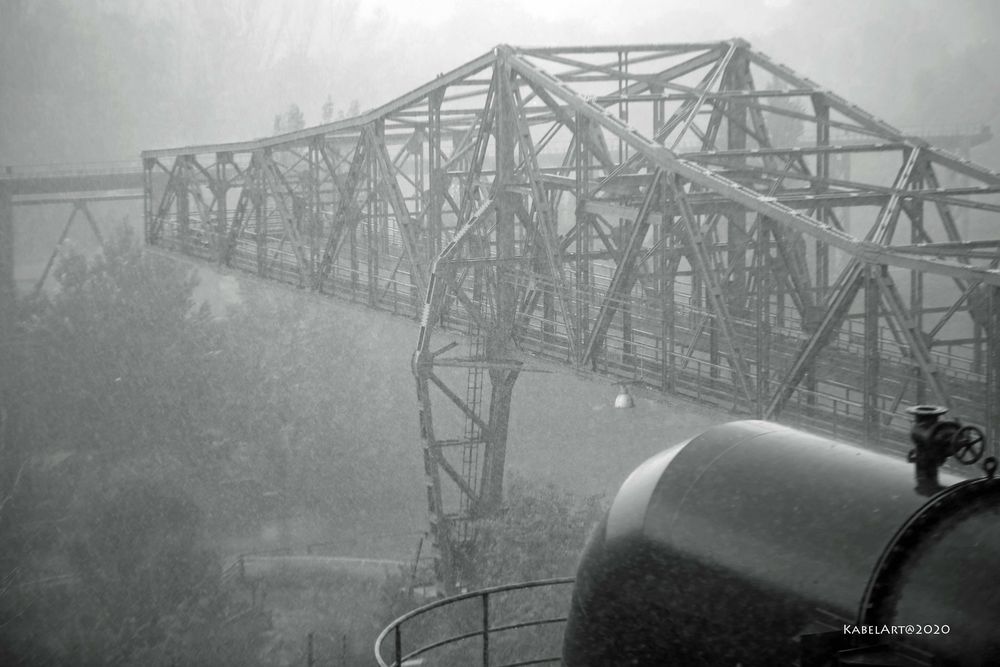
(696, 218)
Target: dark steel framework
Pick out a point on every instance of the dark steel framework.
(674, 215)
(56, 188)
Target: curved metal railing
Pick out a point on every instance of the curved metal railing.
(484, 638)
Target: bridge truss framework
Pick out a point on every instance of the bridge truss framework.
(672, 215)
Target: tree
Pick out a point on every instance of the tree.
(285, 416)
(156, 592)
(539, 534)
(142, 590)
(290, 121)
(115, 360)
(294, 119)
(114, 380)
(328, 109)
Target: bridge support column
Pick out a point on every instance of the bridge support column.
(499, 340)
(762, 270)
(993, 373)
(7, 284)
(915, 211)
(823, 213)
(183, 209)
(581, 268)
(667, 275)
(871, 362)
(220, 189)
(255, 181)
(436, 176)
(736, 78)
(8, 298)
(148, 196)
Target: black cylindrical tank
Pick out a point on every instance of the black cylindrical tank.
(728, 548)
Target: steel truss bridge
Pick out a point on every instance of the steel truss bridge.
(678, 216)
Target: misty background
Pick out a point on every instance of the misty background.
(247, 421)
(102, 80)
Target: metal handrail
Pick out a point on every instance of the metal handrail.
(395, 629)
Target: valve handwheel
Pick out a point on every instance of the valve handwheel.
(968, 444)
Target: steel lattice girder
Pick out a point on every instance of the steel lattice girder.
(669, 214)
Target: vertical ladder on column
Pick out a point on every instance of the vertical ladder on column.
(472, 435)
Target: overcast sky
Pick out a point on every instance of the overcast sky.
(84, 80)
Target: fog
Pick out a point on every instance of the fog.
(163, 463)
(99, 81)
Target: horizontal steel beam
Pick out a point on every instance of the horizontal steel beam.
(74, 197)
(63, 183)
